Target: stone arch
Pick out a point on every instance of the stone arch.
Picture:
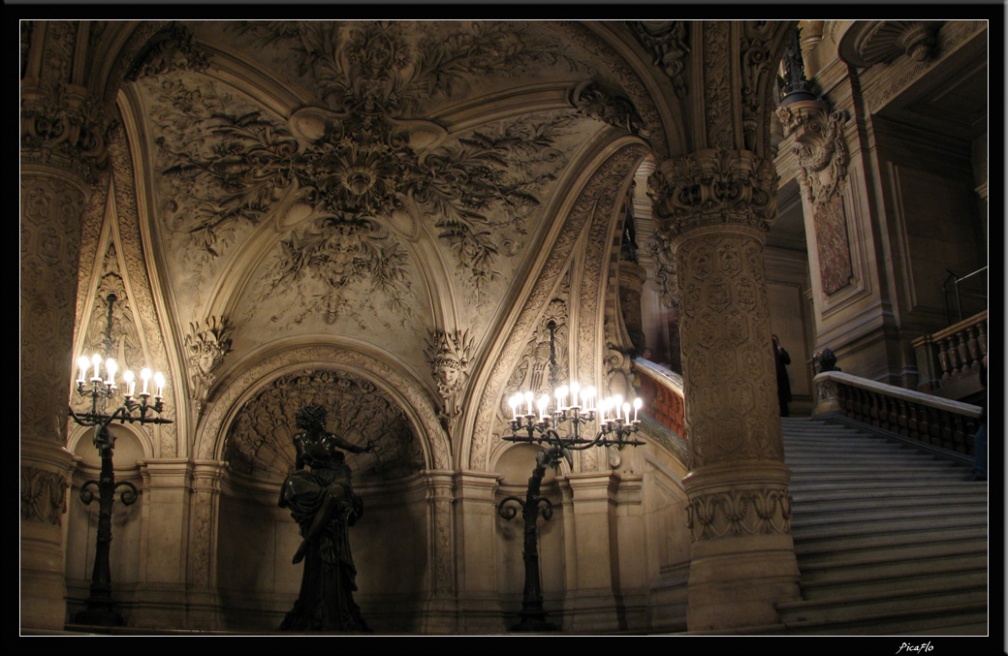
(587, 232)
(407, 393)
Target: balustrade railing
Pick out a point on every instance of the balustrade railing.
(951, 355)
(661, 390)
(942, 425)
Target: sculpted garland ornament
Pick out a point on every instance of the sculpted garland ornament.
(358, 158)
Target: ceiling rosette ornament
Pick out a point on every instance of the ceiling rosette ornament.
(360, 155)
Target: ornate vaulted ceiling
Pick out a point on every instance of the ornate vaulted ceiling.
(367, 182)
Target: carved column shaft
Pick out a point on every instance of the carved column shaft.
(61, 143)
(714, 208)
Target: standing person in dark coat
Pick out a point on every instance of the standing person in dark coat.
(781, 360)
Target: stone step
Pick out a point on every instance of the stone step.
(896, 554)
(822, 542)
(966, 570)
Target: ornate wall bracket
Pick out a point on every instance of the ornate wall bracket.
(206, 345)
(450, 354)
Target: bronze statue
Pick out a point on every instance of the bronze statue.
(322, 502)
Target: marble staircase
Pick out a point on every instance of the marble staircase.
(889, 540)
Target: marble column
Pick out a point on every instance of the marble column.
(62, 144)
(714, 207)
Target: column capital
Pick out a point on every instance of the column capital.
(65, 127)
(714, 187)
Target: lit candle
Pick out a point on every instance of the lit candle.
(83, 362)
(130, 382)
(513, 402)
(574, 389)
(561, 397)
(528, 399)
(589, 398)
(626, 412)
(637, 403)
(145, 375)
(96, 361)
(604, 410)
(543, 402)
(159, 381)
(111, 367)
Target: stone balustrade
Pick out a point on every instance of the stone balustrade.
(950, 359)
(943, 425)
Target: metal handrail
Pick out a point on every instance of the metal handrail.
(958, 296)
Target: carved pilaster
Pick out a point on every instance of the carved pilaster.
(206, 480)
(822, 154)
(440, 498)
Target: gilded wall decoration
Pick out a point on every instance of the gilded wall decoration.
(259, 440)
(43, 496)
(450, 355)
(206, 344)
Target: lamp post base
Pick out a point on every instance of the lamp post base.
(99, 617)
(534, 626)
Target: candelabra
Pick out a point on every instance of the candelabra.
(549, 429)
(135, 408)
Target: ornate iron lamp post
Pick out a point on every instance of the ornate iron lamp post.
(615, 428)
(135, 408)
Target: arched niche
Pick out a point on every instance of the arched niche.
(368, 403)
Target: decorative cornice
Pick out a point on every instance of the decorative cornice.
(714, 187)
